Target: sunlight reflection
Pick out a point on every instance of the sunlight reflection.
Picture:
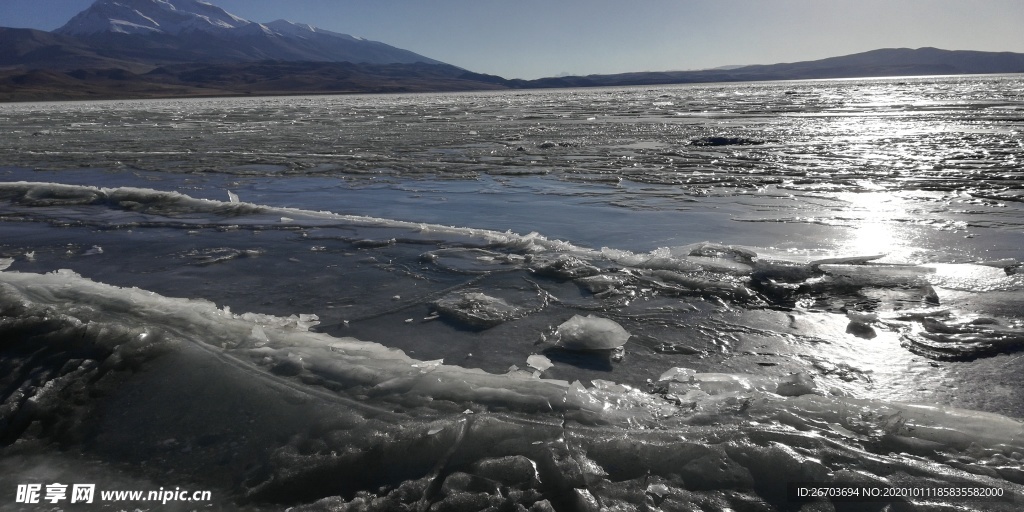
(877, 221)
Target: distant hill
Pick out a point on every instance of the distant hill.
(168, 48)
(876, 63)
(241, 79)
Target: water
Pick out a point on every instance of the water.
(856, 242)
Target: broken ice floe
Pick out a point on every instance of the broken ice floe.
(602, 283)
(563, 267)
(846, 260)
(879, 275)
(471, 261)
(216, 255)
(590, 333)
(949, 338)
(686, 382)
(476, 309)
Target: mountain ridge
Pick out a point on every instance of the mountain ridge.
(158, 32)
(291, 77)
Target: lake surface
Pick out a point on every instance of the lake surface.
(314, 301)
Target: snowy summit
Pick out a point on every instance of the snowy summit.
(151, 16)
(198, 31)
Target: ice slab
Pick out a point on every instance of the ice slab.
(590, 333)
(476, 309)
(684, 381)
(539, 362)
(879, 275)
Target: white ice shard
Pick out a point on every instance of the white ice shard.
(539, 362)
(591, 333)
(847, 260)
(5, 263)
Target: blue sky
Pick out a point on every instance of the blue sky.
(534, 38)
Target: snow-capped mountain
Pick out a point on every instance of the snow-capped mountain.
(164, 31)
(151, 16)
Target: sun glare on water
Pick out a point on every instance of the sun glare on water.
(875, 227)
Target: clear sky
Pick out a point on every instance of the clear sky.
(535, 38)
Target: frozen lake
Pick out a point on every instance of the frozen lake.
(263, 295)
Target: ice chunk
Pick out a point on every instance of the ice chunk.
(476, 309)
(511, 471)
(539, 362)
(847, 260)
(713, 250)
(728, 383)
(469, 261)
(607, 385)
(677, 374)
(563, 267)
(591, 333)
(796, 384)
(602, 283)
(879, 275)
(259, 335)
(723, 265)
(963, 339)
(428, 365)
(685, 382)
(93, 251)
(727, 287)
(232, 197)
(5, 263)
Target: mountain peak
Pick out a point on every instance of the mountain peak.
(151, 17)
(167, 31)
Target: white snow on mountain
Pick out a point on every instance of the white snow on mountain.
(303, 30)
(178, 16)
(233, 37)
(151, 16)
(175, 17)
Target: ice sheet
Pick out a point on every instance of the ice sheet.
(515, 432)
